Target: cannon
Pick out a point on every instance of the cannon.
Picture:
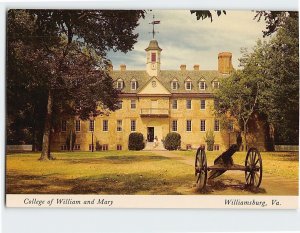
(224, 162)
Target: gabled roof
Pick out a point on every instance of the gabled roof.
(165, 77)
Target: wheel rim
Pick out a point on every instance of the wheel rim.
(253, 164)
(200, 169)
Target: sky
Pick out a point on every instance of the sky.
(185, 40)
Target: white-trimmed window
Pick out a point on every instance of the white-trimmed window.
(119, 147)
(153, 57)
(202, 125)
(77, 147)
(188, 104)
(119, 125)
(91, 147)
(202, 85)
(216, 147)
(77, 125)
(133, 84)
(188, 125)
(120, 84)
(133, 104)
(216, 125)
(105, 147)
(202, 104)
(133, 125)
(216, 84)
(174, 85)
(174, 125)
(174, 104)
(105, 125)
(120, 104)
(63, 147)
(188, 85)
(63, 126)
(92, 125)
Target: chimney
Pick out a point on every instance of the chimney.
(196, 67)
(225, 63)
(110, 67)
(122, 67)
(183, 67)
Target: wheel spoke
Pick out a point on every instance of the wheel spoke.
(252, 157)
(198, 178)
(247, 177)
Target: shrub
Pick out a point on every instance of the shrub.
(172, 141)
(98, 145)
(136, 141)
(210, 140)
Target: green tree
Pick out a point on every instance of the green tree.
(210, 140)
(275, 64)
(268, 84)
(238, 96)
(62, 53)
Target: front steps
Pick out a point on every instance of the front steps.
(150, 146)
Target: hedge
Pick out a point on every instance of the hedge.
(136, 141)
(172, 141)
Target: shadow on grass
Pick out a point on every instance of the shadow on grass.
(116, 159)
(224, 184)
(143, 183)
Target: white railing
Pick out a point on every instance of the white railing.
(154, 111)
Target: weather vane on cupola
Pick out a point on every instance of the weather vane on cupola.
(153, 23)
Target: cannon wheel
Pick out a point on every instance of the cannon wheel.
(253, 164)
(200, 168)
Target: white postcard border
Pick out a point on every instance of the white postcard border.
(151, 201)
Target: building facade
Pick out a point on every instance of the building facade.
(155, 102)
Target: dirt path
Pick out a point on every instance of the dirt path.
(233, 182)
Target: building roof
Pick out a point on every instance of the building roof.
(153, 45)
(167, 76)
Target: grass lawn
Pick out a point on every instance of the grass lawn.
(129, 172)
(111, 172)
(277, 164)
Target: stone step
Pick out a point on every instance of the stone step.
(151, 146)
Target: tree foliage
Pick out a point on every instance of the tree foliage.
(59, 58)
(210, 140)
(136, 141)
(172, 141)
(268, 84)
(203, 14)
(238, 96)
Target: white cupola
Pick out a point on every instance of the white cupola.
(153, 58)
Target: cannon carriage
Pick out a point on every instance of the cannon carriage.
(252, 167)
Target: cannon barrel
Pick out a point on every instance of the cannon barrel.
(226, 155)
(224, 160)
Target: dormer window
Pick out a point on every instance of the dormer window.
(120, 84)
(216, 84)
(188, 84)
(133, 84)
(174, 85)
(202, 84)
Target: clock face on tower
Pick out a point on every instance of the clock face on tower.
(153, 66)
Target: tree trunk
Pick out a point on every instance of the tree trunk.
(245, 137)
(47, 130)
(71, 140)
(270, 138)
